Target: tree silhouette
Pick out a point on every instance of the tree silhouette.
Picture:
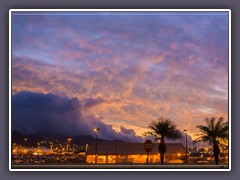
(163, 129)
(213, 133)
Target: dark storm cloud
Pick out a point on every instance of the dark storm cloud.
(48, 113)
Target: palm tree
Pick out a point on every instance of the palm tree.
(213, 133)
(163, 129)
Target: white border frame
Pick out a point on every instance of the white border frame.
(122, 10)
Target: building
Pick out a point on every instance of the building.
(133, 153)
(32, 151)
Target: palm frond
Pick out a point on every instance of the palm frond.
(164, 128)
(213, 131)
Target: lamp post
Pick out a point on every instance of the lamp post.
(96, 131)
(60, 150)
(51, 145)
(186, 130)
(69, 141)
(116, 150)
(25, 139)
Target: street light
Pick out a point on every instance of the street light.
(69, 141)
(186, 130)
(25, 139)
(116, 150)
(96, 131)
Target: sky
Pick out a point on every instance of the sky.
(73, 71)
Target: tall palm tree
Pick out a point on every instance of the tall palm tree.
(163, 129)
(213, 133)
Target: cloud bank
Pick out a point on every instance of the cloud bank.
(35, 113)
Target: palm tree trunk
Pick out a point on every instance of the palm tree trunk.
(216, 152)
(162, 150)
(162, 158)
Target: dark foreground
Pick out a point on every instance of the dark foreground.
(133, 166)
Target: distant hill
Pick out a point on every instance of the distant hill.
(32, 140)
(83, 140)
(60, 138)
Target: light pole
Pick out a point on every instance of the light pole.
(116, 151)
(96, 131)
(69, 141)
(60, 150)
(186, 130)
(25, 139)
(51, 145)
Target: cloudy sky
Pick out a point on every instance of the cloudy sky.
(73, 71)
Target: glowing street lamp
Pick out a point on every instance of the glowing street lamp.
(96, 131)
(51, 145)
(186, 130)
(25, 139)
(69, 141)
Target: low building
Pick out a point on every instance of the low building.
(132, 153)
